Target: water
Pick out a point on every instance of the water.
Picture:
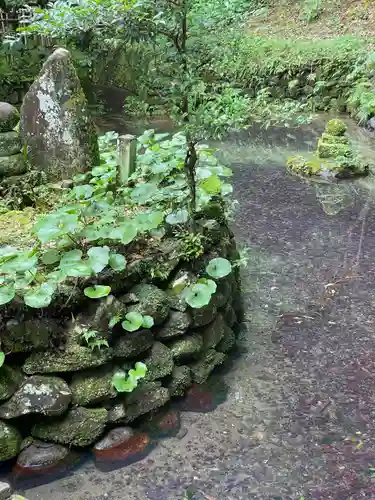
(299, 417)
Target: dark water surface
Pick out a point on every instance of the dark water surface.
(299, 419)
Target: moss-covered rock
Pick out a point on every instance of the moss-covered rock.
(186, 348)
(72, 360)
(336, 139)
(10, 143)
(31, 335)
(336, 127)
(228, 341)
(10, 441)
(201, 370)
(159, 363)
(151, 301)
(229, 314)
(223, 292)
(43, 395)
(12, 165)
(331, 149)
(92, 386)
(79, 427)
(131, 344)
(204, 315)
(177, 324)
(180, 380)
(9, 117)
(10, 379)
(213, 333)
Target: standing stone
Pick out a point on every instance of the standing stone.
(55, 122)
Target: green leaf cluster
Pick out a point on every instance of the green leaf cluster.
(127, 382)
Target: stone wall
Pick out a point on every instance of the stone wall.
(57, 393)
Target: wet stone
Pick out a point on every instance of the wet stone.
(201, 370)
(5, 490)
(10, 379)
(180, 380)
(148, 402)
(204, 315)
(31, 335)
(92, 386)
(177, 324)
(159, 363)
(228, 341)
(131, 344)
(166, 423)
(38, 394)
(151, 301)
(204, 397)
(230, 317)
(114, 438)
(213, 333)
(127, 450)
(186, 348)
(79, 427)
(10, 441)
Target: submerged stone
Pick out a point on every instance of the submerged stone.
(42, 459)
(79, 427)
(9, 117)
(114, 438)
(55, 122)
(201, 370)
(10, 441)
(38, 394)
(165, 423)
(177, 324)
(10, 379)
(92, 386)
(180, 380)
(159, 363)
(186, 348)
(72, 360)
(121, 447)
(151, 301)
(131, 344)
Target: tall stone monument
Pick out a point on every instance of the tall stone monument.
(55, 123)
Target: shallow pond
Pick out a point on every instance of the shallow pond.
(299, 417)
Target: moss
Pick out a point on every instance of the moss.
(331, 149)
(337, 139)
(151, 301)
(159, 363)
(75, 359)
(336, 127)
(180, 380)
(10, 441)
(228, 341)
(10, 380)
(187, 347)
(15, 227)
(10, 143)
(91, 386)
(12, 165)
(80, 427)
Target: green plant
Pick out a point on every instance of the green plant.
(2, 358)
(192, 245)
(312, 10)
(127, 382)
(93, 341)
(219, 268)
(134, 320)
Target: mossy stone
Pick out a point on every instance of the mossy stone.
(336, 127)
(10, 379)
(31, 335)
(92, 386)
(177, 324)
(186, 348)
(9, 117)
(228, 341)
(204, 315)
(75, 359)
(10, 144)
(10, 441)
(331, 149)
(159, 363)
(12, 165)
(151, 301)
(201, 370)
(131, 344)
(337, 139)
(230, 316)
(79, 427)
(213, 333)
(180, 380)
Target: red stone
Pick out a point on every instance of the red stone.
(131, 449)
(199, 399)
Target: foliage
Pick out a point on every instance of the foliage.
(192, 245)
(92, 339)
(218, 268)
(127, 382)
(134, 320)
(312, 10)
(361, 101)
(199, 294)
(2, 358)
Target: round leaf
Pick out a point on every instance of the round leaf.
(70, 258)
(21, 263)
(133, 321)
(98, 258)
(125, 233)
(7, 294)
(148, 321)
(219, 267)
(40, 296)
(117, 261)
(121, 383)
(51, 257)
(97, 291)
(2, 358)
(212, 184)
(178, 217)
(198, 295)
(83, 192)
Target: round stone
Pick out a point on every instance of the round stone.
(9, 117)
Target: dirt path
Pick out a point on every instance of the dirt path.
(299, 419)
